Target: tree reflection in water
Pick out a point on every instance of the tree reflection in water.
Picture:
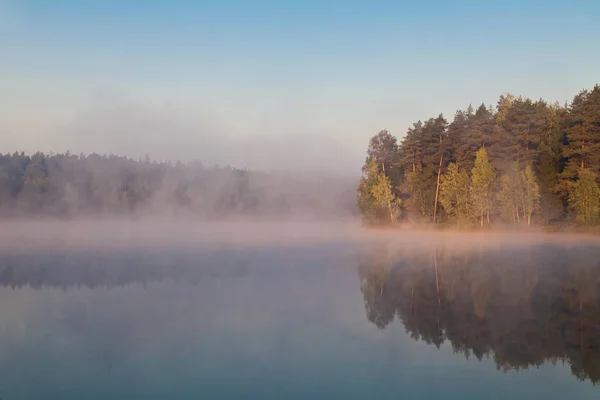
(116, 269)
(522, 307)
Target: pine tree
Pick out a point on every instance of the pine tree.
(583, 134)
(504, 104)
(550, 162)
(458, 146)
(419, 191)
(410, 150)
(423, 155)
(525, 121)
(383, 150)
(555, 142)
(434, 152)
(477, 133)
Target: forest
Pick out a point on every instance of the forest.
(69, 186)
(523, 162)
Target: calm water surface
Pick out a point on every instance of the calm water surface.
(340, 321)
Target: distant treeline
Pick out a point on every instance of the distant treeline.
(69, 185)
(522, 162)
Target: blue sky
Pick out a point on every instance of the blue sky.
(219, 72)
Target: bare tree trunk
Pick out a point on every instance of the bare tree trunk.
(488, 216)
(390, 211)
(437, 189)
(582, 147)
(389, 201)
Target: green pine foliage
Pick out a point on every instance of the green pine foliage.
(523, 162)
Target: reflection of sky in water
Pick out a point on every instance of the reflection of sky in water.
(291, 328)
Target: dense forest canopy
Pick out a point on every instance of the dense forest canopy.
(68, 186)
(522, 162)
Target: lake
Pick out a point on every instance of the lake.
(407, 315)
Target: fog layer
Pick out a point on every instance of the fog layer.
(75, 186)
(158, 234)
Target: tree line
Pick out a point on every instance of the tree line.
(69, 185)
(521, 308)
(520, 162)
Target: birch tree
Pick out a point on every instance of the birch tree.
(482, 185)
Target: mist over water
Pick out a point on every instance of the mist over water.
(162, 233)
(294, 309)
(299, 200)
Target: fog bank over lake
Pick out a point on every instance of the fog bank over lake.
(294, 309)
(106, 234)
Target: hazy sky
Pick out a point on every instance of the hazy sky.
(246, 82)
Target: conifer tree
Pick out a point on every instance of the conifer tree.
(583, 134)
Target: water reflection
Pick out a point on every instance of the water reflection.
(117, 269)
(293, 315)
(520, 307)
(170, 323)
